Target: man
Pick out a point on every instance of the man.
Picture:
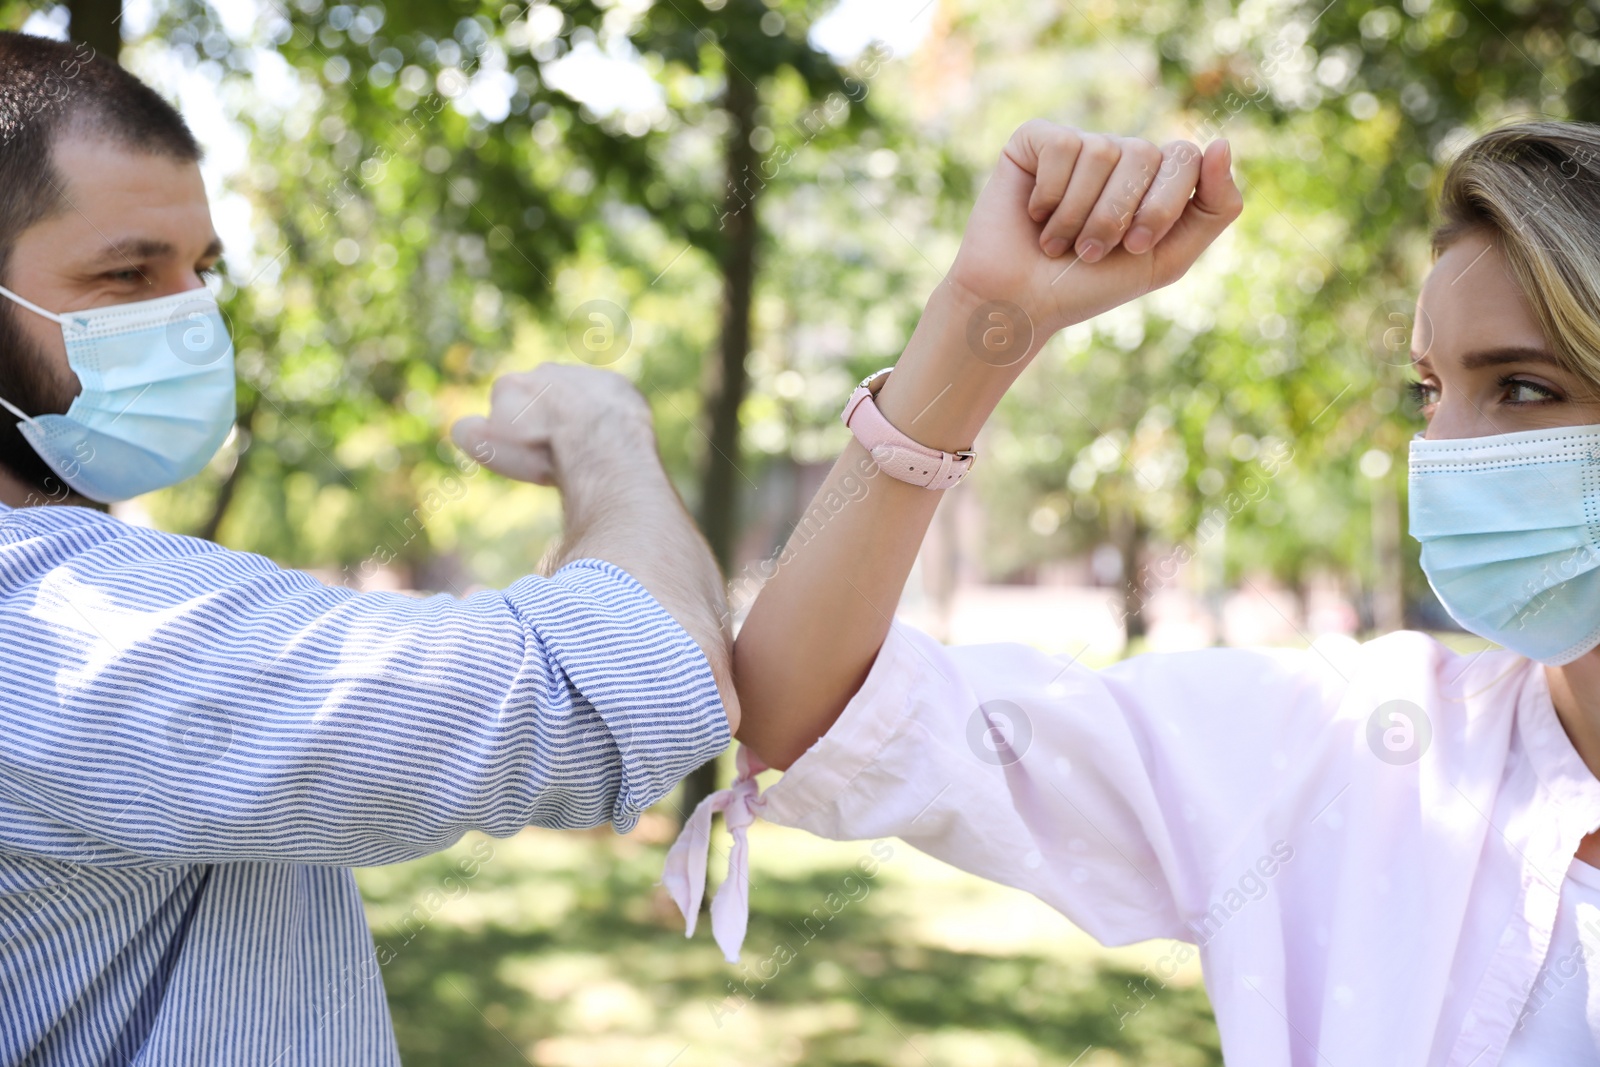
(196, 746)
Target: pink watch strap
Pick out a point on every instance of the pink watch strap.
(897, 455)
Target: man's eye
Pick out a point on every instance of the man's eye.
(130, 275)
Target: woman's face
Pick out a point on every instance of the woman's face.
(1482, 364)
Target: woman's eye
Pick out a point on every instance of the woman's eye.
(1423, 394)
(1519, 391)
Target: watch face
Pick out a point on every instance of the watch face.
(866, 383)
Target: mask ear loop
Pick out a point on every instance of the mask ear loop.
(9, 406)
(36, 309)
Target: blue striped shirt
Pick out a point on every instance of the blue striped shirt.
(196, 746)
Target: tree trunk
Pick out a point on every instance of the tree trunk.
(230, 484)
(1129, 534)
(726, 379)
(98, 24)
(1388, 603)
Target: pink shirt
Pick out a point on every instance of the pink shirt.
(1363, 893)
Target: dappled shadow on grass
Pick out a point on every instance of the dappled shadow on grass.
(607, 977)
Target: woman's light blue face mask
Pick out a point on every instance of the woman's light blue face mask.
(1508, 526)
(157, 400)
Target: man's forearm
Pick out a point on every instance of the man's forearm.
(593, 439)
(816, 628)
(629, 514)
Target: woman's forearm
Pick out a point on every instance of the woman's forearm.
(818, 624)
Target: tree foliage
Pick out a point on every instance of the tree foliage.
(430, 206)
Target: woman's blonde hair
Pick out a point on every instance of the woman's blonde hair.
(1535, 186)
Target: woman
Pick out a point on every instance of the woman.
(1382, 851)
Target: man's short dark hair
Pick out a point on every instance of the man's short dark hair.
(50, 89)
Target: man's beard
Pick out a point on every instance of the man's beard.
(26, 381)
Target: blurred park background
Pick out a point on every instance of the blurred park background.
(742, 205)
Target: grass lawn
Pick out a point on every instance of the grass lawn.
(560, 951)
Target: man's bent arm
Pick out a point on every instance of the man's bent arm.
(180, 702)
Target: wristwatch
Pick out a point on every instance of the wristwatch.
(897, 455)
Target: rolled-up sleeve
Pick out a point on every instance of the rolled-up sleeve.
(1118, 796)
(163, 699)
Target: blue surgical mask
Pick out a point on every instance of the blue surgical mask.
(157, 396)
(1508, 528)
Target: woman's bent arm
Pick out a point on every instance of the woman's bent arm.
(818, 623)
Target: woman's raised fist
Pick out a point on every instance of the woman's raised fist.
(1073, 223)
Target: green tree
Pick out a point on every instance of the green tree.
(748, 47)
(1363, 102)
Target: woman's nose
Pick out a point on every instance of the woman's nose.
(1456, 419)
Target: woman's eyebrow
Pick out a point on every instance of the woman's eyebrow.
(1493, 357)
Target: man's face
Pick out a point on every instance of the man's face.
(133, 227)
